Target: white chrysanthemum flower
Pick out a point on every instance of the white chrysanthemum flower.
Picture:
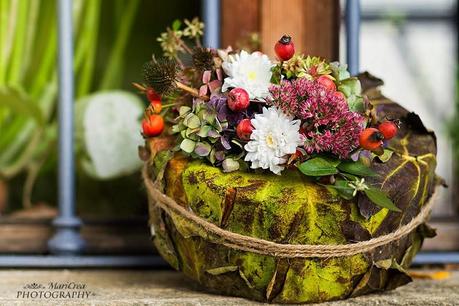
(249, 71)
(275, 135)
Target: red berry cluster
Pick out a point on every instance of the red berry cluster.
(153, 122)
(372, 138)
(238, 101)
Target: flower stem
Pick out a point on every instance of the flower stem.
(185, 47)
(192, 91)
(139, 86)
(198, 42)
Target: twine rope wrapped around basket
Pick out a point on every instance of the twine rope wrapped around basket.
(264, 247)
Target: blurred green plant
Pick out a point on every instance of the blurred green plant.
(454, 127)
(28, 76)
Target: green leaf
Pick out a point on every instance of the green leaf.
(350, 177)
(346, 90)
(159, 163)
(208, 116)
(213, 134)
(352, 86)
(212, 157)
(380, 198)
(192, 121)
(230, 165)
(344, 190)
(356, 168)
(202, 149)
(187, 145)
(339, 71)
(19, 103)
(385, 156)
(190, 132)
(224, 125)
(176, 128)
(355, 103)
(319, 166)
(237, 143)
(276, 74)
(204, 131)
(184, 110)
(90, 38)
(176, 25)
(384, 264)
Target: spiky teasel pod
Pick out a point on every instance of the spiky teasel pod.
(162, 75)
(203, 59)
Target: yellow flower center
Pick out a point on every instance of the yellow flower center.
(252, 75)
(270, 141)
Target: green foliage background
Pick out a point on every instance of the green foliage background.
(113, 38)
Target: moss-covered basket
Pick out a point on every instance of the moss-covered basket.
(292, 210)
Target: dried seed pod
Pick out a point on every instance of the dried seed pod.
(160, 74)
(203, 59)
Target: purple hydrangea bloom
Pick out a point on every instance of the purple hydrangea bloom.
(219, 105)
(327, 123)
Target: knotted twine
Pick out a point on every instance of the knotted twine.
(217, 235)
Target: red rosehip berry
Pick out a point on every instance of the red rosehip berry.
(327, 82)
(156, 106)
(371, 139)
(155, 100)
(244, 129)
(152, 125)
(388, 129)
(152, 95)
(284, 48)
(238, 99)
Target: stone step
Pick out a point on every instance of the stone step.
(136, 287)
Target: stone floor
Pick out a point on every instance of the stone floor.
(135, 287)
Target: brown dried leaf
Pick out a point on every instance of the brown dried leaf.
(222, 270)
(158, 144)
(353, 231)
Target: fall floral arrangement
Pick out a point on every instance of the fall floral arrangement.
(282, 180)
(241, 111)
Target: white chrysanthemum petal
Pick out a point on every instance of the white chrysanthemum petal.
(249, 71)
(274, 137)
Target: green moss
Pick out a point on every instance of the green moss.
(257, 269)
(266, 206)
(284, 209)
(196, 189)
(321, 280)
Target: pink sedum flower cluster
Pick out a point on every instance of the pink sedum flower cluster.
(327, 123)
